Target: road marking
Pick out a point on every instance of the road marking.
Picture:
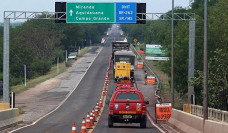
(151, 121)
(67, 96)
(98, 118)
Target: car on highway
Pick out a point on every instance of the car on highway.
(72, 56)
(127, 106)
(125, 86)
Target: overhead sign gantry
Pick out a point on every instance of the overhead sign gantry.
(120, 12)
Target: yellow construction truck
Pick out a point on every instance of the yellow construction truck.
(122, 70)
(127, 57)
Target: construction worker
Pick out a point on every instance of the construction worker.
(145, 78)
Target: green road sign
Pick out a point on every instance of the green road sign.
(155, 52)
(90, 13)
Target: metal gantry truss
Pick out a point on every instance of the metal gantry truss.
(165, 16)
(34, 15)
(62, 15)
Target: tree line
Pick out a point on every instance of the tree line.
(38, 43)
(159, 32)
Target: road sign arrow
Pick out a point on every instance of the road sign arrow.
(71, 12)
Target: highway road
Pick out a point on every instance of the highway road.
(83, 99)
(102, 125)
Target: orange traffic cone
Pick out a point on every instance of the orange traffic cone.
(100, 103)
(106, 84)
(74, 128)
(88, 126)
(83, 128)
(103, 92)
(96, 111)
(98, 107)
(94, 116)
(91, 119)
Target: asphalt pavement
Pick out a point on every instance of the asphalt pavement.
(85, 97)
(81, 101)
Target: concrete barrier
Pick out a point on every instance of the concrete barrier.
(215, 127)
(185, 122)
(188, 123)
(9, 117)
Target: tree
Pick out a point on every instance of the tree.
(218, 80)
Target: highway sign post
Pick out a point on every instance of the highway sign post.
(90, 13)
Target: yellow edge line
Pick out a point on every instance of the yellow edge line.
(101, 111)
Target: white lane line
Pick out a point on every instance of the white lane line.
(148, 116)
(68, 95)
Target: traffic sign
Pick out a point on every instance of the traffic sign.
(90, 13)
(135, 40)
(125, 12)
(163, 111)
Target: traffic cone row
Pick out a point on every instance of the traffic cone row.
(91, 117)
(104, 92)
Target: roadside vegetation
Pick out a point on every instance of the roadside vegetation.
(159, 32)
(38, 43)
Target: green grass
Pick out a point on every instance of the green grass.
(21, 111)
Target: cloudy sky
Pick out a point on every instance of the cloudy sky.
(153, 6)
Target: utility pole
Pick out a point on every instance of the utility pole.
(57, 64)
(172, 86)
(191, 60)
(66, 55)
(6, 61)
(25, 73)
(205, 68)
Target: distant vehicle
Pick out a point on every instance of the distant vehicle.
(72, 56)
(122, 69)
(120, 45)
(127, 106)
(124, 82)
(124, 56)
(1, 87)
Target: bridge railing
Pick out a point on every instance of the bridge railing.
(213, 114)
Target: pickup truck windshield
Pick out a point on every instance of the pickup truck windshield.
(127, 96)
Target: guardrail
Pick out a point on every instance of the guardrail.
(158, 89)
(213, 114)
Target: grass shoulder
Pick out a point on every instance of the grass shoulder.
(51, 74)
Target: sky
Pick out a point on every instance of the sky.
(153, 6)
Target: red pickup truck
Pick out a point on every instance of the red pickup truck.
(127, 106)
